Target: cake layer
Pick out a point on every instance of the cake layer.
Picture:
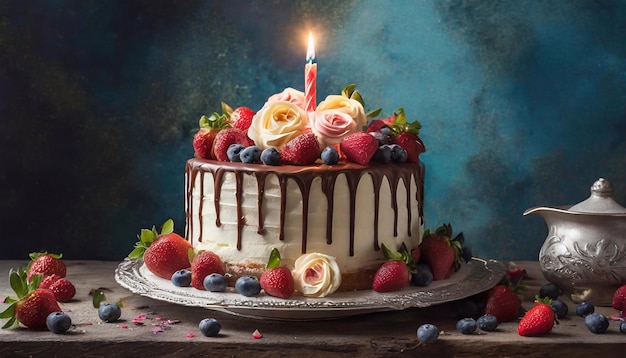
(243, 211)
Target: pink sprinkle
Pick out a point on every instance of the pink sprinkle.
(157, 330)
(173, 321)
(256, 334)
(124, 326)
(137, 323)
(157, 318)
(141, 317)
(190, 335)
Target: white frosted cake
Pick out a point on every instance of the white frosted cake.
(242, 211)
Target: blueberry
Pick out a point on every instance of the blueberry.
(423, 276)
(382, 154)
(248, 286)
(487, 322)
(182, 278)
(215, 282)
(622, 326)
(386, 131)
(560, 308)
(466, 325)
(233, 152)
(330, 156)
(210, 327)
(596, 323)
(585, 308)
(398, 154)
(549, 290)
(251, 155)
(270, 156)
(109, 312)
(467, 308)
(380, 137)
(58, 322)
(427, 333)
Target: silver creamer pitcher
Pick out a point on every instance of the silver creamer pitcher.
(585, 251)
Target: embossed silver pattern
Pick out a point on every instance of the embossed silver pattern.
(585, 249)
(475, 277)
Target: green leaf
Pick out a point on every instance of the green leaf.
(348, 90)
(11, 323)
(274, 260)
(226, 109)
(137, 252)
(34, 282)
(98, 298)
(18, 283)
(190, 255)
(391, 255)
(8, 312)
(204, 122)
(168, 227)
(146, 236)
(374, 113)
(356, 95)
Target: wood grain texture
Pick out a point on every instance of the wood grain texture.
(387, 334)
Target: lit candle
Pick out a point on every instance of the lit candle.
(310, 77)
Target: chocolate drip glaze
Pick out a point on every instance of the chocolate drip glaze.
(303, 177)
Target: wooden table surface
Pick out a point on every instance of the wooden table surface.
(385, 334)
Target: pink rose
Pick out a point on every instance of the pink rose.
(331, 126)
(288, 95)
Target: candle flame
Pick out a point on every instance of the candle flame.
(310, 52)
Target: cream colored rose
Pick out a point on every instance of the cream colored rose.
(290, 95)
(277, 123)
(316, 275)
(351, 107)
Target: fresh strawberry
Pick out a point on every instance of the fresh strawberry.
(359, 147)
(301, 150)
(412, 144)
(242, 118)
(209, 127)
(439, 255)
(619, 299)
(46, 264)
(538, 321)
(225, 138)
(416, 254)
(163, 253)
(32, 306)
(203, 143)
(393, 275)
(63, 290)
(276, 280)
(49, 280)
(204, 264)
(503, 302)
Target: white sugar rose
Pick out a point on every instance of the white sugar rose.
(290, 95)
(316, 275)
(277, 123)
(330, 126)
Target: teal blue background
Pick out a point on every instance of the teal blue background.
(523, 103)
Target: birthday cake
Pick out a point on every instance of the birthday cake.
(341, 185)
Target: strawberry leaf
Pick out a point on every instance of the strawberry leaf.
(190, 255)
(146, 237)
(167, 227)
(274, 260)
(390, 255)
(98, 298)
(18, 283)
(137, 252)
(9, 311)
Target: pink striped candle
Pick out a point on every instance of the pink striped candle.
(310, 77)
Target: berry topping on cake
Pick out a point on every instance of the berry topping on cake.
(241, 118)
(224, 139)
(32, 305)
(359, 147)
(163, 253)
(209, 127)
(276, 280)
(270, 156)
(202, 265)
(248, 286)
(251, 155)
(302, 150)
(412, 144)
(46, 264)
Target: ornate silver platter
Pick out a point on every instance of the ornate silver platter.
(477, 276)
